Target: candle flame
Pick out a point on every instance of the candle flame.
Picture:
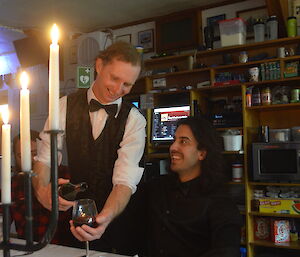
(24, 80)
(54, 34)
(4, 113)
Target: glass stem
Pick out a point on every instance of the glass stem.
(87, 248)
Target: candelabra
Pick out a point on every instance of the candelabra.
(31, 246)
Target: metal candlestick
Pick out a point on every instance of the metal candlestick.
(30, 246)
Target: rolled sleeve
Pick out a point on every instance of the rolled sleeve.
(43, 145)
(126, 170)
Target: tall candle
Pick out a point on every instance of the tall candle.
(25, 140)
(6, 158)
(54, 80)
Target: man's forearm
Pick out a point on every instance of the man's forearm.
(116, 201)
(42, 173)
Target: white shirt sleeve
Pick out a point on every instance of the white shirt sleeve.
(43, 145)
(126, 169)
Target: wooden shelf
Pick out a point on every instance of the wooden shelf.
(233, 152)
(158, 155)
(252, 183)
(282, 215)
(274, 107)
(179, 73)
(223, 129)
(290, 245)
(220, 51)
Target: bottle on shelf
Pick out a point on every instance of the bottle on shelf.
(69, 191)
(256, 100)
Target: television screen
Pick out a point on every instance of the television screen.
(176, 32)
(164, 122)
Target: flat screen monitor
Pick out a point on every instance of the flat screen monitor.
(164, 122)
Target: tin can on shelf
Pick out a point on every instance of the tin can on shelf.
(237, 172)
(266, 96)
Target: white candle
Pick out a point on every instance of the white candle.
(25, 140)
(6, 158)
(54, 81)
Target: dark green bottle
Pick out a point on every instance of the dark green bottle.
(69, 191)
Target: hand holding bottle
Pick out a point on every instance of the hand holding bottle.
(68, 191)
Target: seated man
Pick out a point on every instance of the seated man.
(41, 216)
(189, 211)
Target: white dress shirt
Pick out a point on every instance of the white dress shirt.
(126, 169)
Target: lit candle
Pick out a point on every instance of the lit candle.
(25, 124)
(6, 158)
(54, 80)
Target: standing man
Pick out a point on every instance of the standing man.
(189, 211)
(105, 139)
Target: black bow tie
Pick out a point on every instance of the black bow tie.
(111, 109)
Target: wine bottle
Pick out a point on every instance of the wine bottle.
(69, 191)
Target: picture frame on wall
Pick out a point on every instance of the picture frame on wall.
(125, 38)
(250, 16)
(145, 40)
(214, 22)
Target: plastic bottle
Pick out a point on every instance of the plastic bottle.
(292, 26)
(69, 191)
(259, 31)
(256, 96)
(272, 28)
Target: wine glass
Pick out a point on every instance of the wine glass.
(84, 213)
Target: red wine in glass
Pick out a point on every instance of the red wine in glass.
(84, 213)
(87, 220)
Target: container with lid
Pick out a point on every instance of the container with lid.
(272, 28)
(232, 32)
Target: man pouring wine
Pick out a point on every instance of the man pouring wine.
(105, 138)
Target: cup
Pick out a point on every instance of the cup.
(281, 52)
(254, 72)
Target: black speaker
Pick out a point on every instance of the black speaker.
(31, 51)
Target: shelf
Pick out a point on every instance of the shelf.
(252, 183)
(158, 155)
(213, 88)
(274, 107)
(222, 50)
(179, 73)
(290, 245)
(233, 152)
(282, 215)
(236, 65)
(236, 183)
(223, 129)
(275, 81)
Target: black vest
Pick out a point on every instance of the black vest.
(92, 160)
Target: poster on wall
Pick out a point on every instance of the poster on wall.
(85, 76)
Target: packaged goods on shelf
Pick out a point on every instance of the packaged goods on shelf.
(277, 205)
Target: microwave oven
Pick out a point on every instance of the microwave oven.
(276, 162)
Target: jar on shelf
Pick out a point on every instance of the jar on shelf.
(243, 57)
(266, 96)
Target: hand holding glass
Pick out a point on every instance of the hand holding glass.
(84, 213)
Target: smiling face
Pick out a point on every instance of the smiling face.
(185, 156)
(114, 79)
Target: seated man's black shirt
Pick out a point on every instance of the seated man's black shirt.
(185, 221)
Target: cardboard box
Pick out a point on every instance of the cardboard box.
(280, 231)
(277, 205)
(261, 228)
